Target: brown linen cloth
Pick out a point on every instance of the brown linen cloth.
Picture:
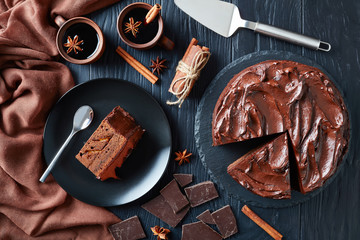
(31, 82)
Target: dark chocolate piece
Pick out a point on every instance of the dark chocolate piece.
(161, 209)
(129, 229)
(201, 193)
(225, 221)
(183, 179)
(174, 197)
(197, 231)
(206, 217)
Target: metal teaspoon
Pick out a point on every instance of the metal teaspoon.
(82, 119)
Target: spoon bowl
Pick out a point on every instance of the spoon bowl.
(82, 119)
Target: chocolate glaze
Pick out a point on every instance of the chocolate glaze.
(265, 170)
(278, 96)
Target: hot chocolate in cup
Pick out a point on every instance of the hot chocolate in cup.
(147, 35)
(79, 40)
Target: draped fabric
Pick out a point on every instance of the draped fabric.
(31, 81)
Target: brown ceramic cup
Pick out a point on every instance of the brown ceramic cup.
(64, 25)
(159, 39)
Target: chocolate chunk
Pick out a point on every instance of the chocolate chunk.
(174, 197)
(183, 179)
(199, 230)
(129, 229)
(225, 221)
(201, 193)
(206, 217)
(161, 209)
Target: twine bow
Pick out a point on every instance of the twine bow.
(192, 73)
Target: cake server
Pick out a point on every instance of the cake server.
(224, 18)
(82, 119)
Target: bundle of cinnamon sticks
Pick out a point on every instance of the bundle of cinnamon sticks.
(188, 71)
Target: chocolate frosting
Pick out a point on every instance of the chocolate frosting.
(265, 170)
(277, 96)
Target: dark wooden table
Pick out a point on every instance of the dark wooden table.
(332, 214)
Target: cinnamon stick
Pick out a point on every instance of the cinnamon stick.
(261, 223)
(181, 85)
(178, 87)
(153, 12)
(193, 42)
(137, 65)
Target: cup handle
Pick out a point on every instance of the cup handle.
(59, 20)
(166, 43)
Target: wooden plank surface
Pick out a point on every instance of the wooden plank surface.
(333, 214)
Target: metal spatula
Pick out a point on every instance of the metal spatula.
(224, 18)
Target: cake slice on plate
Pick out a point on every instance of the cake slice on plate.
(110, 144)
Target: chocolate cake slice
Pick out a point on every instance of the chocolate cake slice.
(110, 144)
(265, 170)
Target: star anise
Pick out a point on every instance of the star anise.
(158, 65)
(132, 26)
(160, 232)
(73, 44)
(182, 157)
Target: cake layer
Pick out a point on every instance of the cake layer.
(110, 144)
(265, 170)
(277, 96)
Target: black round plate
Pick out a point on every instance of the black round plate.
(144, 167)
(216, 159)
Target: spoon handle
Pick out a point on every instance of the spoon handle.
(56, 158)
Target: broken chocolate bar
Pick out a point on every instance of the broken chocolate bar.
(201, 193)
(129, 229)
(225, 221)
(161, 209)
(174, 197)
(206, 217)
(183, 179)
(197, 231)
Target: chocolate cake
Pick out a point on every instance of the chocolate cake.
(265, 170)
(110, 144)
(284, 96)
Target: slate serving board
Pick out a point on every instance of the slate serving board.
(216, 159)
